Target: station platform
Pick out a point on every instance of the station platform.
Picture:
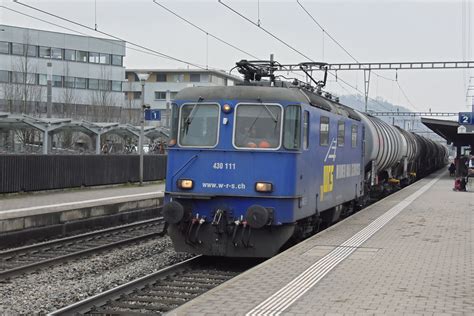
(411, 253)
(64, 211)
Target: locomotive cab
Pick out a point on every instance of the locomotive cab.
(230, 176)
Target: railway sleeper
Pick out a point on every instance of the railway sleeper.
(151, 299)
(163, 308)
(176, 290)
(103, 311)
(201, 279)
(171, 294)
(214, 272)
(195, 282)
(187, 284)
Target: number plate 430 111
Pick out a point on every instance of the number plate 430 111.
(224, 165)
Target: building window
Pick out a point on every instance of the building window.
(42, 80)
(57, 81)
(68, 82)
(104, 59)
(81, 56)
(57, 53)
(204, 77)
(217, 80)
(104, 85)
(4, 76)
(160, 95)
(44, 52)
(160, 77)
(137, 95)
(94, 58)
(32, 51)
(31, 79)
(18, 49)
(354, 136)
(81, 83)
(4, 48)
(116, 85)
(195, 77)
(94, 84)
(70, 54)
(173, 95)
(117, 60)
(177, 78)
(324, 131)
(18, 77)
(340, 133)
(306, 130)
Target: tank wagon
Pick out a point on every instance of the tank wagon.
(253, 168)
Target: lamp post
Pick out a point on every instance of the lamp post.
(143, 77)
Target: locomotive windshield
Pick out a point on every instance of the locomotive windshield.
(198, 125)
(257, 126)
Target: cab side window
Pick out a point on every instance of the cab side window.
(306, 130)
(292, 127)
(324, 131)
(340, 133)
(354, 136)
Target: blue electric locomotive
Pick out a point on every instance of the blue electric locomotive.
(252, 168)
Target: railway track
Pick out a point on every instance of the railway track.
(162, 291)
(29, 258)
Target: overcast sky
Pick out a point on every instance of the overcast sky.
(372, 31)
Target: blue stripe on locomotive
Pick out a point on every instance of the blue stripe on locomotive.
(229, 175)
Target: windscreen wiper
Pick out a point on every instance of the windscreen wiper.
(190, 117)
(268, 110)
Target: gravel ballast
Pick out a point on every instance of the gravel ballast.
(54, 287)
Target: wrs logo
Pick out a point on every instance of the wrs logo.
(328, 170)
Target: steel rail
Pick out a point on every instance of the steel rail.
(84, 306)
(87, 237)
(161, 291)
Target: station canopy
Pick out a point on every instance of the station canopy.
(54, 125)
(449, 131)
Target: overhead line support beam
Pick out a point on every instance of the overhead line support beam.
(402, 65)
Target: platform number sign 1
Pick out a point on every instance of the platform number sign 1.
(466, 118)
(152, 115)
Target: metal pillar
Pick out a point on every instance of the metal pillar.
(142, 127)
(45, 142)
(97, 144)
(366, 86)
(168, 103)
(49, 105)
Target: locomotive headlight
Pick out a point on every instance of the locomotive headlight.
(226, 108)
(185, 184)
(263, 187)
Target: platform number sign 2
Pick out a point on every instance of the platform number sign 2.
(466, 118)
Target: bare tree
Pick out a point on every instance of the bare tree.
(101, 98)
(69, 96)
(23, 94)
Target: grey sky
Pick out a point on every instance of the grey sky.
(372, 31)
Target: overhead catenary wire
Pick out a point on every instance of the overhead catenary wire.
(78, 32)
(324, 31)
(265, 30)
(406, 97)
(209, 34)
(204, 31)
(292, 48)
(335, 41)
(349, 54)
(111, 35)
